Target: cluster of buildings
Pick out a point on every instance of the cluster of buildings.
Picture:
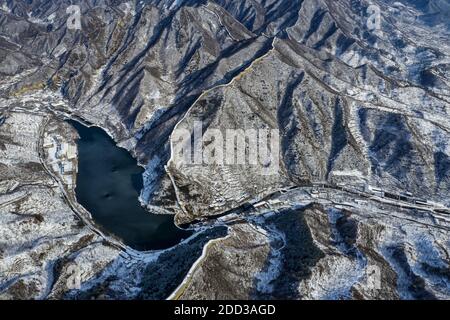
(62, 158)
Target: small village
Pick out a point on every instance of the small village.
(62, 157)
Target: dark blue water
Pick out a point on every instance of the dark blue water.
(109, 182)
